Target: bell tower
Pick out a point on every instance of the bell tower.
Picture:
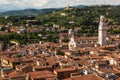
(102, 31)
(72, 43)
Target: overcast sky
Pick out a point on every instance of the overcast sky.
(38, 4)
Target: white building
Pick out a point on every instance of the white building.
(70, 33)
(102, 31)
(72, 43)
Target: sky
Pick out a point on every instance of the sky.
(39, 4)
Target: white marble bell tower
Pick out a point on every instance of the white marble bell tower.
(102, 31)
(72, 43)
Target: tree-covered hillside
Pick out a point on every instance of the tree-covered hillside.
(85, 19)
(27, 12)
(82, 16)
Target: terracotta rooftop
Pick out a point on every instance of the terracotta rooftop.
(86, 38)
(64, 69)
(16, 74)
(86, 77)
(16, 59)
(41, 74)
(106, 70)
(42, 67)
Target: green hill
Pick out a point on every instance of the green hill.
(82, 16)
(26, 12)
(86, 18)
(34, 12)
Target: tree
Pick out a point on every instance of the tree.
(3, 29)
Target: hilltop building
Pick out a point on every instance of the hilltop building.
(68, 8)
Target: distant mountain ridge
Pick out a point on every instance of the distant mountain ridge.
(32, 11)
(79, 6)
(26, 12)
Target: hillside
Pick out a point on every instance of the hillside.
(34, 12)
(76, 17)
(82, 16)
(84, 21)
(86, 18)
(26, 12)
